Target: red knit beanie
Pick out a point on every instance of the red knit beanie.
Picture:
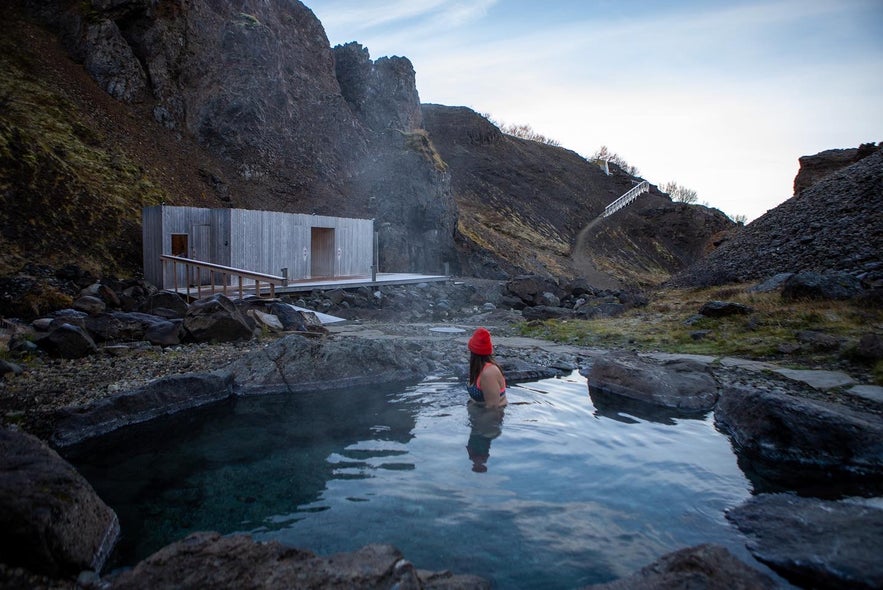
(480, 343)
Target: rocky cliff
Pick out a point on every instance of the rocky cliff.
(525, 206)
(833, 225)
(235, 106)
(111, 106)
(817, 166)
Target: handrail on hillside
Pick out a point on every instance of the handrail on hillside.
(224, 271)
(627, 198)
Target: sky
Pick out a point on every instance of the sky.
(721, 97)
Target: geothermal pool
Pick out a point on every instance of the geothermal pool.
(558, 490)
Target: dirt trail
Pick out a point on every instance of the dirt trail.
(583, 264)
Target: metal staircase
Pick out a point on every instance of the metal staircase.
(627, 198)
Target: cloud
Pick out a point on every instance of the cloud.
(722, 97)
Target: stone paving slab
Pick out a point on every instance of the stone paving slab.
(817, 379)
(873, 393)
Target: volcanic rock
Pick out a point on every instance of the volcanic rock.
(68, 341)
(814, 543)
(833, 225)
(681, 384)
(709, 567)
(295, 363)
(164, 396)
(209, 560)
(821, 165)
(720, 309)
(814, 285)
(52, 520)
(217, 319)
(783, 429)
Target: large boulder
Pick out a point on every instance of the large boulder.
(720, 309)
(168, 301)
(209, 560)
(164, 396)
(776, 427)
(294, 320)
(52, 520)
(683, 385)
(215, 319)
(530, 288)
(296, 363)
(815, 285)
(68, 341)
(121, 326)
(706, 567)
(814, 543)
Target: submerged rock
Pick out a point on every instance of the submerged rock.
(709, 567)
(680, 384)
(209, 560)
(815, 543)
(52, 520)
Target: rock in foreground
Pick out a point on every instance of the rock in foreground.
(778, 428)
(52, 521)
(683, 385)
(816, 543)
(707, 567)
(209, 560)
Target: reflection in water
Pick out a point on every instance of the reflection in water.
(631, 411)
(249, 464)
(573, 497)
(485, 425)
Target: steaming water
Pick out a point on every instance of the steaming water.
(559, 491)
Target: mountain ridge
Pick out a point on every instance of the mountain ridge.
(107, 108)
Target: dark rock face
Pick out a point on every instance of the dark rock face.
(208, 560)
(682, 385)
(52, 520)
(523, 205)
(258, 86)
(834, 225)
(818, 166)
(781, 429)
(814, 543)
(164, 396)
(709, 567)
(297, 363)
(383, 94)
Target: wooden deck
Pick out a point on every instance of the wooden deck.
(383, 278)
(324, 284)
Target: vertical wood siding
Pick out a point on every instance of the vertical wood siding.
(260, 241)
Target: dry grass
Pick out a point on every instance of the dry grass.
(670, 323)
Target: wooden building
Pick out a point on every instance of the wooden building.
(306, 246)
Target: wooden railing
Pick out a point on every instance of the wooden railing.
(224, 272)
(627, 198)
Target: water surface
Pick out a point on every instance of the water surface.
(558, 490)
